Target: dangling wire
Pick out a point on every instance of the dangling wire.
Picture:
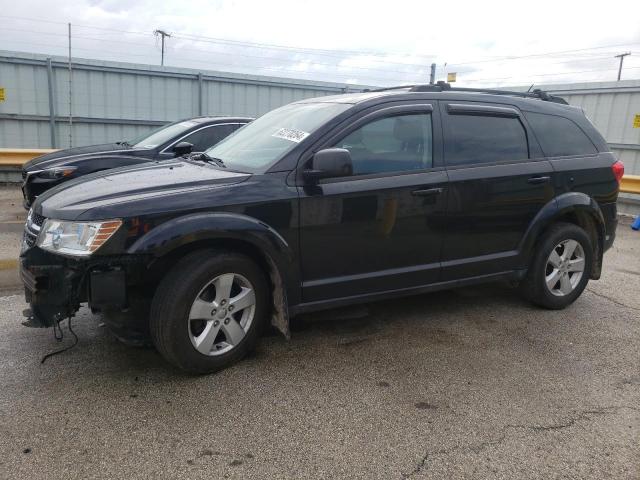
(58, 336)
(57, 331)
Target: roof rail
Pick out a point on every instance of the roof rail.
(444, 86)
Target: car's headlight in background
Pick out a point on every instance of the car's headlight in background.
(57, 172)
(76, 238)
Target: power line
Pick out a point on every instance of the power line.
(418, 77)
(244, 55)
(186, 36)
(332, 53)
(226, 66)
(422, 68)
(561, 62)
(412, 74)
(543, 54)
(572, 72)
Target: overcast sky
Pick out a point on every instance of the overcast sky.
(373, 43)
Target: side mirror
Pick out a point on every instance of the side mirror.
(328, 163)
(182, 148)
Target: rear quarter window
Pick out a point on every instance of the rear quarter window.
(559, 136)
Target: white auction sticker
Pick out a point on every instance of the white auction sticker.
(291, 134)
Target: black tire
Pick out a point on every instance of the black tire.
(169, 317)
(534, 287)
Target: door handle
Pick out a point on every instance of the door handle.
(538, 180)
(427, 192)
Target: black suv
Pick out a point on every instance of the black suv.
(175, 139)
(323, 203)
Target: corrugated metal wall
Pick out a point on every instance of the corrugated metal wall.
(114, 101)
(612, 107)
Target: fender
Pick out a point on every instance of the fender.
(181, 231)
(570, 202)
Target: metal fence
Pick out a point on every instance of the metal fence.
(113, 101)
(614, 108)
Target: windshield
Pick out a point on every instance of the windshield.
(259, 144)
(162, 134)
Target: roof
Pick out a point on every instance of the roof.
(536, 100)
(217, 119)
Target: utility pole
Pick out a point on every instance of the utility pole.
(432, 78)
(162, 34)
(621, 57)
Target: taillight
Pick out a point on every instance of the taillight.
(618, 170)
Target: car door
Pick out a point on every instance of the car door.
(377, 229)
(498, 182)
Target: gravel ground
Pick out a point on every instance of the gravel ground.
(472, 383)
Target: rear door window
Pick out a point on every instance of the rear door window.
(559, 136)
(481, 138)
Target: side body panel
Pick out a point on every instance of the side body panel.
(372, 233)
(591, 176)
(491, 205)
(261, 211)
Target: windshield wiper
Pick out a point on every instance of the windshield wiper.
(124, 143)
(206, 158)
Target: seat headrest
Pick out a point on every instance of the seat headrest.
(408, 129)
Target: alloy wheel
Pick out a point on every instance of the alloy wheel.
(222, 314)
(565, 267)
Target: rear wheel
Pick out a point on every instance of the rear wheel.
(560, 268)
(208, 311)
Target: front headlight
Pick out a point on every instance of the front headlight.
(76, 238)
(57, 172)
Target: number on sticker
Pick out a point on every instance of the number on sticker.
(291, 134)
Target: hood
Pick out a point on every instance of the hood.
(132, 184)
(62, 156)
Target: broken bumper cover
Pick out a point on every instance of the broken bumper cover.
(49, 290)
(55, 286)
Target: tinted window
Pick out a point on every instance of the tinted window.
(559, 136)
(391, 144)
(208, 137)
(163, 134)
(481, 139)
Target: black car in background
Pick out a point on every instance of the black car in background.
(328, 202)
(175, 139)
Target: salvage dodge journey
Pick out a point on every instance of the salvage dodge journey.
(323, 203)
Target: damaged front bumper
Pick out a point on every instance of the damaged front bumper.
(55, 286)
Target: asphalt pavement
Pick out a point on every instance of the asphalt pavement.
(471, 383)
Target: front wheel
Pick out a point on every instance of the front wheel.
(560, 268)
(208, 311)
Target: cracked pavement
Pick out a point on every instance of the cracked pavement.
(472, 383)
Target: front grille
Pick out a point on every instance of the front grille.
(29, 238)
(37, 219)
(32, 228)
